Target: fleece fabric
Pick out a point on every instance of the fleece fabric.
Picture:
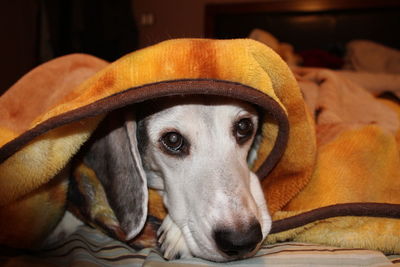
(52, 111)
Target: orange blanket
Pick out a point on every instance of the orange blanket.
(357, 171)
(320, 164)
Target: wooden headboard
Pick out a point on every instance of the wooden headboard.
(309, 24)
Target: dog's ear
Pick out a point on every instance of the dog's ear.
(114, 156)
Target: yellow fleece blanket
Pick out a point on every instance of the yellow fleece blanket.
(315, 179)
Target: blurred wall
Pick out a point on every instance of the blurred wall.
(35, 31)
(159, 20)
(19, 46)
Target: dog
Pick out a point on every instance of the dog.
(196, 151)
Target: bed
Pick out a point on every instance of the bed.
(88, 247)
(345, 54)
(328, 45)
(341, 35)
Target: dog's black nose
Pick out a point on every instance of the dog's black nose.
(238, 243)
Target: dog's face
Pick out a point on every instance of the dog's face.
(195, 152)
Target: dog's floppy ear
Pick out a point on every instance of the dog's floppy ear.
(114, 156)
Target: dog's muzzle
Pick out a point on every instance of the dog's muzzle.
(236, 243)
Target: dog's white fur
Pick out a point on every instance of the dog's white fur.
(209, 187)
(212, 186)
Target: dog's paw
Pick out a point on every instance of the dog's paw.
(171, 241)
(67, 226)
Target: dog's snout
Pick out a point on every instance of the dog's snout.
(238, 243)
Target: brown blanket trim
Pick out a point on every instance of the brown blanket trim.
(383, 210)
(162, 89)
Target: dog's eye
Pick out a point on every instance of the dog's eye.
(243, 130)
(173, 142)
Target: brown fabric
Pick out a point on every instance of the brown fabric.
(338, 210)
(162, 89)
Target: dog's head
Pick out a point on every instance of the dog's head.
(196, 152)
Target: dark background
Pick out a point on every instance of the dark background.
(35, 31)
